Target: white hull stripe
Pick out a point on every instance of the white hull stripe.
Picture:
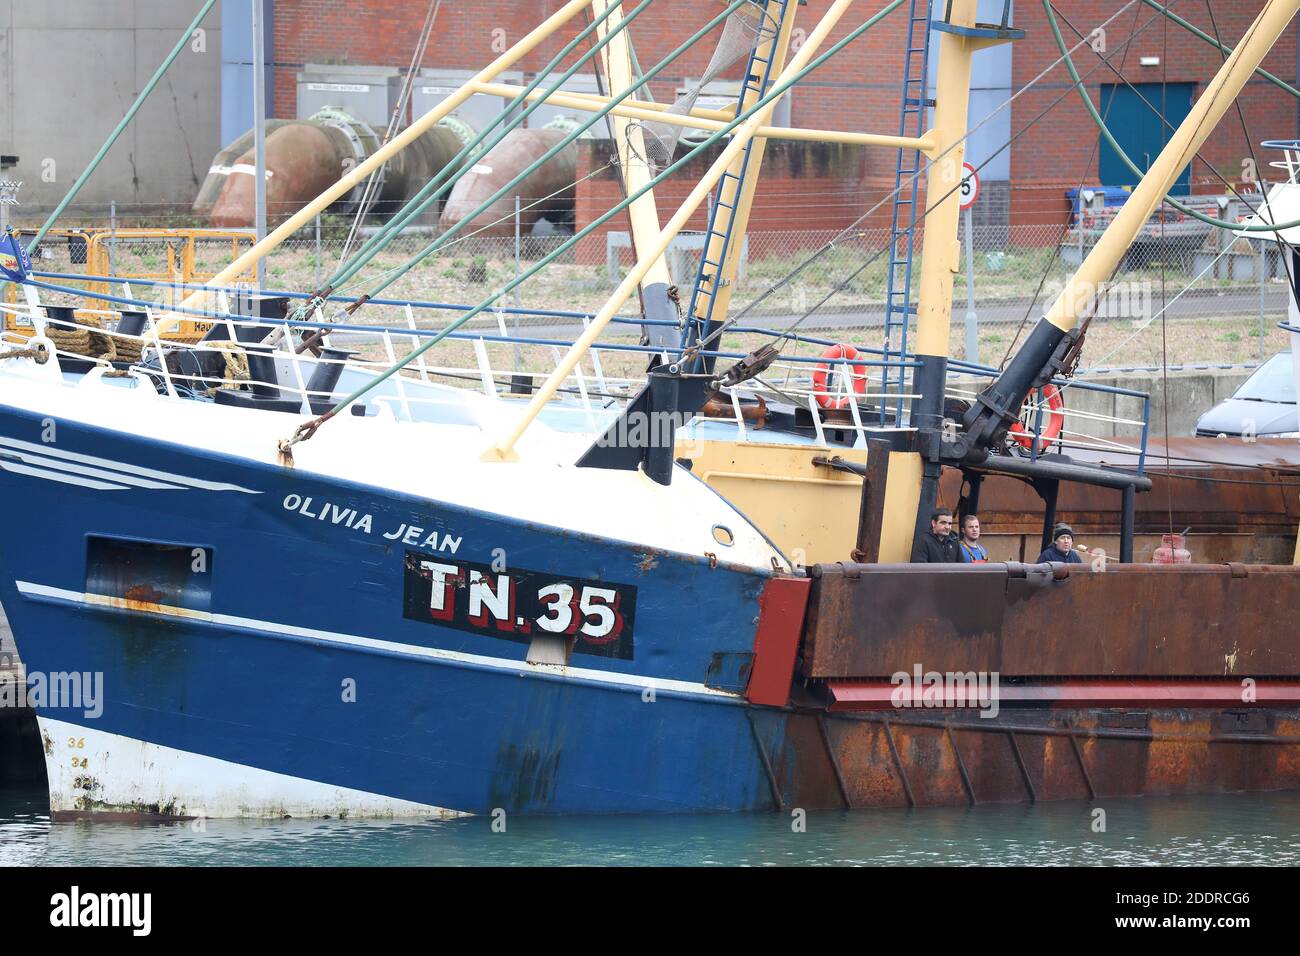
(55, 464)
(180, 481)
(134, 776)
(63, 478)
(521, 668)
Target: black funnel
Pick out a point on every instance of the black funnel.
(131, 322)
(261, 370)
(326, 374)
(61, 314)
(244, 334)
(253, 306)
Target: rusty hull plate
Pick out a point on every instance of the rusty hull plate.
(1054, 621)
(945, 758)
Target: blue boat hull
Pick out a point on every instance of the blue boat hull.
(299, 649)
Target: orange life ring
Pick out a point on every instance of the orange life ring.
(1055, 422)
(858, 374)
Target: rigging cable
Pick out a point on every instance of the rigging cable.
(440, 183)
(852, 227)
(394, 121)
(1092, 155)
(568, 139)
(1167, 126)
(1283, 257)
(1164, 316)
(1078, 85)
(735, 122)
(308, 429)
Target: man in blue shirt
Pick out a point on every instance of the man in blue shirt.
(1062, 547)
(972, 552)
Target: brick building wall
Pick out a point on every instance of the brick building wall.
(804, 188)
(1060, 150)
(858, 90)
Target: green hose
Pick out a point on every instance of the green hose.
(112, 137)
(1190, 28)
(777, 91)
(1106, 134)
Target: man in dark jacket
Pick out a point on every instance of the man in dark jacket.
(939, 545)
(1062, 547)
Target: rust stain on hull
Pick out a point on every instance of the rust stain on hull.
(951, 758)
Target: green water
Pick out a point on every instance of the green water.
(1238, 829)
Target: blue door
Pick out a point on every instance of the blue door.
(1137, 128)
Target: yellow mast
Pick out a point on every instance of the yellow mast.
(504, 448)
(710, 121)
(1195, 129)
(908, 492)
(998, 405)
(616, 58)
(737, 191)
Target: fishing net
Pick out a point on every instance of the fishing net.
(740, 35)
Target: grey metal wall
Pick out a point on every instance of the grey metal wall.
(70, 69)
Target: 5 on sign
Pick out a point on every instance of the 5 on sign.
(969, 190)
(516, 604)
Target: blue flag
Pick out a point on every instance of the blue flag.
(14, 261)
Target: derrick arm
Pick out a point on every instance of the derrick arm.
(629, 137)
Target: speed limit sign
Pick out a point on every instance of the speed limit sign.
(970, 185)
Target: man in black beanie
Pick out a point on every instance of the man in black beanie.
(1062, 547)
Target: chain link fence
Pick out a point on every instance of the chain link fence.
(1184, 295)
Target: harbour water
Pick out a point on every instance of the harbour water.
(1231, 830)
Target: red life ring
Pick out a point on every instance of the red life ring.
(858, 374)
(1052, 430)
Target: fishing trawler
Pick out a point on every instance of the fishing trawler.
(317, 587)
